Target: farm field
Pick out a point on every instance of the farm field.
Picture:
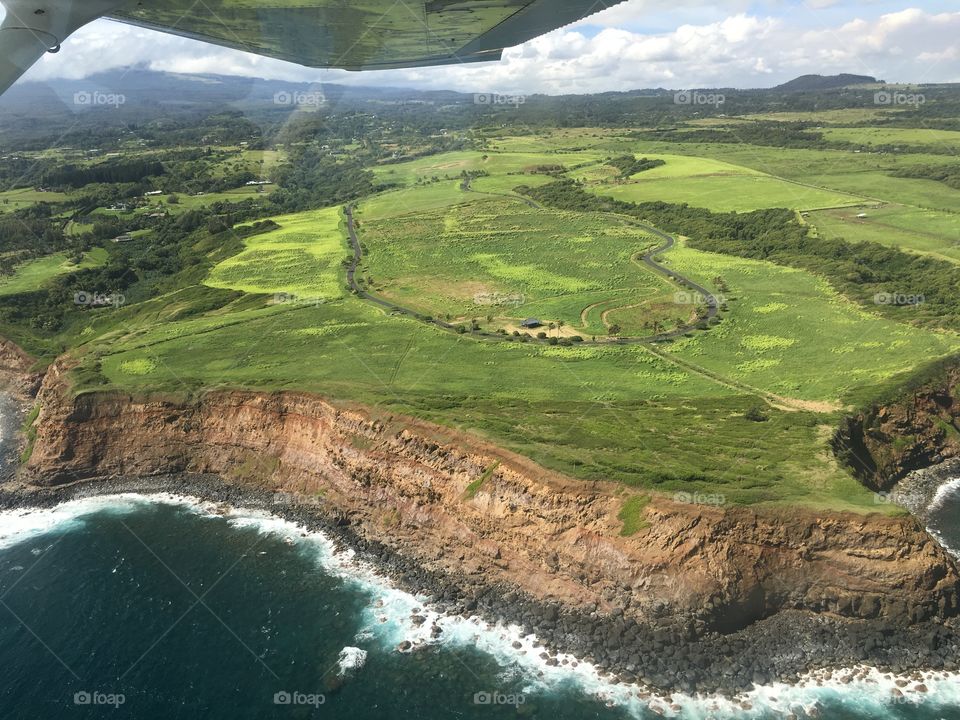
(718, 186)
(948, 139)
(301, 258)
(452, 164)
(11, 200)
(923, 231)
(34, 273)
(789, 333)
(500, 261)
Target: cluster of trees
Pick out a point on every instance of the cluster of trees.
(863, 271)
(947, 174)
(313, 178)
(120, 170)
(629, 165)
(769, 134)
(33, 230)
(179, 252)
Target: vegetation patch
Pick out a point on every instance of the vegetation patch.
(631, 515)
(474, 487)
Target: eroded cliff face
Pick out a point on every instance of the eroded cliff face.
(17, 376)
(885, 442)
(466, 509)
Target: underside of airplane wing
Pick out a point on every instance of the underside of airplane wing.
(348, 34)
(364, 34)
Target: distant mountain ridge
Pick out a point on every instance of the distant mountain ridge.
(824, 82)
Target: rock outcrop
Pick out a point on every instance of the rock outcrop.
(884, 442)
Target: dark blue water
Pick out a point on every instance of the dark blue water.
(944, 518)
(123, 608)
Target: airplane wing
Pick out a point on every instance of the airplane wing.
(348, 34)
(362, 34)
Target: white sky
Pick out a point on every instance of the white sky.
(638, 44)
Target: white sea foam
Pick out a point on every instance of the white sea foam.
(944, 492)
(350, 660)
(395, 617)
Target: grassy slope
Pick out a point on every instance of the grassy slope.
(301, 258)
(33, 274)
(719, 186)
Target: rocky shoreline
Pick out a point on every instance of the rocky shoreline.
(666, 658)
(917, 490)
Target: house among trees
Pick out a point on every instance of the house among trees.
(126, 237)
(531, 323)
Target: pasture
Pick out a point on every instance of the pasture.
(718, 186)
(302, 258)
(923, 231)
(500, 261)
(11, 200)
(789, 333)
(33, 274)
(872, 136)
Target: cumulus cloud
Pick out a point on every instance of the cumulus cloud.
(604, 52)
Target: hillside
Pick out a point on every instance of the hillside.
(806, 83)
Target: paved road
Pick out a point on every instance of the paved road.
(648, 259)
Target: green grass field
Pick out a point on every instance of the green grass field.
(790, 334)
(452, 164)
(718, 186)
(500, 261)
(301, 258)
(25, 197)
(948, 139)
(909, 228)
(601, 413)
(33, 274)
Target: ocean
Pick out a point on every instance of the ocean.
(161, 606)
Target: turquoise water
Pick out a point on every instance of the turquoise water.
(125, 607)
